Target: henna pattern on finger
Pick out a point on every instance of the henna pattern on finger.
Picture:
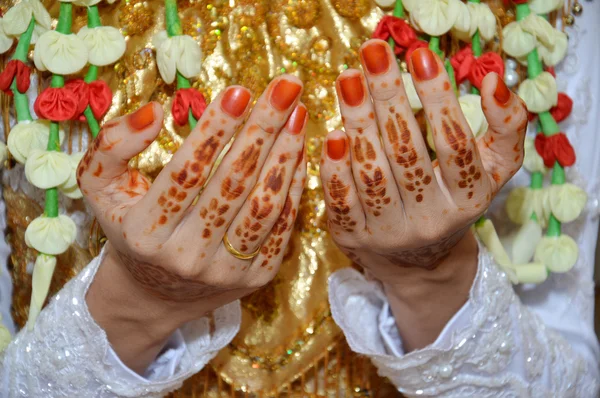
(274, 244)
(375, 184)
(463, 155)
(338, 191)
(406, 156)
(192, 173)
(213, 215)
(243, 168)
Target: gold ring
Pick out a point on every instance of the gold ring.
(236, 253)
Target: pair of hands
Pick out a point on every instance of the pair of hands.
(390, 208)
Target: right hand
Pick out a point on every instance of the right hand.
(172, 248)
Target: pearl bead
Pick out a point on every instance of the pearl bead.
(446, 371)
(511, 77)
(510, 64)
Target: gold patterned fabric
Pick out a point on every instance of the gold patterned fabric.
(288, 344)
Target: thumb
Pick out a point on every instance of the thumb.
(501, 147)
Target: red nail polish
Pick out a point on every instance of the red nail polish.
(502, 93)
(141, 118)
(297, 119)
(284, 94)
(376, 59)
(424, 64)
(353, 93)
(235, 101)
(336, 148)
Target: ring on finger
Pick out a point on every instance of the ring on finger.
(236, 253)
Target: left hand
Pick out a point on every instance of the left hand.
(391, 209)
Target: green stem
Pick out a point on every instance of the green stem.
(172, 18)
(24, 42)
(92, 73)
(450, 70)
(399, 9)
(549, 125)
(65, 19)
(93, 17)
(21, 99)
(434, 45)
(537, 180)
(476, 46)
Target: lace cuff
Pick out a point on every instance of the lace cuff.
(67, 353)
(501, 350)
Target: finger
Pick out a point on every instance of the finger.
(402, 139)
(455, 145)
(118, 141)
(239, 170)
(501, 147)
(266, 264)
(345, 214)
(177, 185)
(266, 201)
(372, 175)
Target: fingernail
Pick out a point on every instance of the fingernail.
(141, 118)
(336, 148)
(284, 94)
(424, 64)
(353, 93)
(502, 93)
(297, 120)
(235, 101)
(376, 58)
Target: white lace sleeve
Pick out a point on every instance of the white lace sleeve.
(67, 353)
(503, 350)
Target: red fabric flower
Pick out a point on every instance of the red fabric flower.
(96, 94)
(56, 104)
(402, 34)
(563, 109)
(18, 69)
(555, 148)
(467, 66)
(550, 69)
(186, 99)
(414, 46)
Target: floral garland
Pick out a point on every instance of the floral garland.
(37, 143)
(531, 40)
(179, 56)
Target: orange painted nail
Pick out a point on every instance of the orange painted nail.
(284, 94)
(297, 120)
(141, 118)
(424, 64)
(502, 93)
(376, 58)
(235, 101)
(353, 93)
(336, 148)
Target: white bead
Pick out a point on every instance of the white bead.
(511, 77)
(446, 371)
(510, 64)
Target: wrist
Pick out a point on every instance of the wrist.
(424, 300)
(136, 323)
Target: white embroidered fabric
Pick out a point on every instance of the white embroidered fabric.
(503, 350)
(68, 355)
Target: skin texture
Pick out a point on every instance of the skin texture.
(165, 262)
(402, 217)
